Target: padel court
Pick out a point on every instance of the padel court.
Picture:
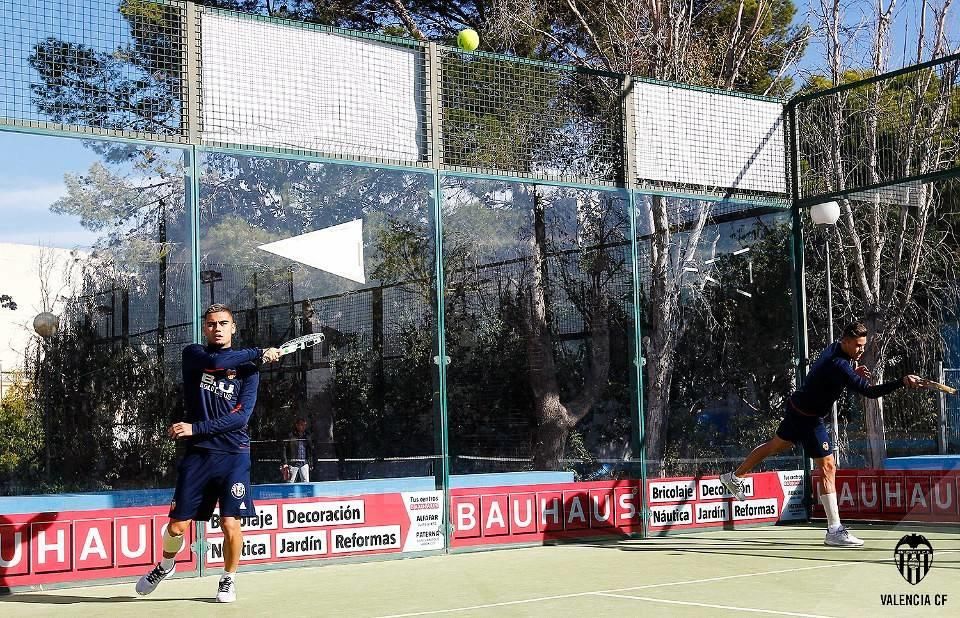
(774, 570)
(532, 311)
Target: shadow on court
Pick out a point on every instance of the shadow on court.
(880, 542)
(60, 599)
(805, 554)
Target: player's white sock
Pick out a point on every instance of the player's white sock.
(227, 574)
(829, 502)
(171, 545)
(735, 477)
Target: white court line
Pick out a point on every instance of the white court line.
(730, 607)
(612, 590)
(452, 610)
(487, 605)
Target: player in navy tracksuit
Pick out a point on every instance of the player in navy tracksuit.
(802, 422)
(220, 388)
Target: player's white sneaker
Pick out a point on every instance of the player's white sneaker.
(842, 538)
(149, 582)
(227, 591)
(734, 485)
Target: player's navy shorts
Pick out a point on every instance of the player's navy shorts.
(807, 431)
(205, 478)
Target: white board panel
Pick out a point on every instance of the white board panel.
(709, 139)
(285, 86)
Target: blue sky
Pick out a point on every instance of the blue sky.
(906, 18)
(32, 179)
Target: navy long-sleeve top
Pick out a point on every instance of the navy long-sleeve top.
(220, 388)
(827, 378)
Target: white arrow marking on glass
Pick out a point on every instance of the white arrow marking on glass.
(337, 249)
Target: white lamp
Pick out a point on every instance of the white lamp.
(46, 324)
(825, 213)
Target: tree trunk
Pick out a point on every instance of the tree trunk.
(659, 380)
(552, 430)
(552, 421)
(876, 434)
(666, 325)
(873, 408)
(554, 418)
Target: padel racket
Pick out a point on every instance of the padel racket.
(301, 343)
(940, 387)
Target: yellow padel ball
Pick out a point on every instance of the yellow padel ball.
(468, 39)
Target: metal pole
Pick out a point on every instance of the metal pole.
(833, 408)
(802, 350)
(942, 424)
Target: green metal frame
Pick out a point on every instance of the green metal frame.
(803, 98)
(802, 351)
(952, 172)
(443, 425)
(274, 153)
(639, 437)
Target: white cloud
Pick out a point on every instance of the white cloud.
(28, 220)
(37, 197)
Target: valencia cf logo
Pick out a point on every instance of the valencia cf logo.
(826, 446)
(238, 490)
(914, 557)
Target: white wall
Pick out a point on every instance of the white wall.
(20, 277)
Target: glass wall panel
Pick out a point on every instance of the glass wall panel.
(539, 328)
(295, 247)
(718, 332)
(95, 257)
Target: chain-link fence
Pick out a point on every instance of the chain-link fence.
(177, 70)
(879, 138)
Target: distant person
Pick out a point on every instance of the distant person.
(298, 453)
(802, 423)
(220, 388)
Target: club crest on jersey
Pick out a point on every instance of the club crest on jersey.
(220, 388)
(826, 446)
(231, 374)
(238, 490)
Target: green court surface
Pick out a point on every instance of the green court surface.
(772, 571)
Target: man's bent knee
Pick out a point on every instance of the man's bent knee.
(828, 466)
(230, 525)
(177, 527)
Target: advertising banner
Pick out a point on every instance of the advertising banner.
(315, 528)
(79, 545)
(895, 495)
(538, 513)
(124, 542)
(682, 503)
